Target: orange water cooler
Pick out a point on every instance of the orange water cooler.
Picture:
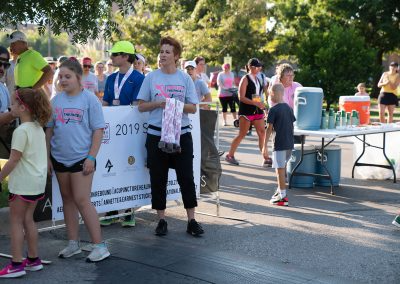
(358, 103)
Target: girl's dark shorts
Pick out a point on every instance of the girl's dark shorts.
(61, 168)
(388, 99)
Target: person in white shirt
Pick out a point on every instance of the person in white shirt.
(89, 80)
(109, 68)
(47, 88)
(140, 63)
(4, 65)
(9, 76)
(201, 70)
(203, 92)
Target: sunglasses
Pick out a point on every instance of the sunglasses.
(5, 64)
(87, 66)
(117, 53)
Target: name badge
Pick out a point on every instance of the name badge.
(116, 103)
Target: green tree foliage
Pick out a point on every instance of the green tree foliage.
(217, 28)
(378, 22)
(83, 19)
(60, 44)
(335, 60)
(151, 20)
(210, 28)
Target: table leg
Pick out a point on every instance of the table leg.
(384, 154)
(323, 164)
(359, 157)
(299, 163)
(383, 148)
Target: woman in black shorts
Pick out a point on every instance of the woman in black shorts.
(387, 98)
(225, 82)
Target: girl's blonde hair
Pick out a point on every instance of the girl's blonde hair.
(37, 102)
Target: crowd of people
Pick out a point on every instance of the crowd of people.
(59, 103)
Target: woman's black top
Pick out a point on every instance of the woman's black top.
(246, 109)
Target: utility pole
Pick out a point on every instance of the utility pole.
(49, 40)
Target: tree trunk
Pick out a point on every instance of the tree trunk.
(377, 75)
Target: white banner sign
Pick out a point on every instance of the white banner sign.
(121, 179)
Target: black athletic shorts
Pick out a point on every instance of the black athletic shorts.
(388, 99)
(75, 168)
(27, 198)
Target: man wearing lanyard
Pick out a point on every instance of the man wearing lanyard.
(122, 88)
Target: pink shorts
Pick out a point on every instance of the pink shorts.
(253, 117)
(27, 198)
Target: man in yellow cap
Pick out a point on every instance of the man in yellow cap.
(31, 70)
(122, 88)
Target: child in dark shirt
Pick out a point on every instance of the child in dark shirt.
(280, 120)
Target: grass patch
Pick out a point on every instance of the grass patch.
(4, 195)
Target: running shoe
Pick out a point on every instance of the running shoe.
(129, 221)
(162, 228)
(194, 228)
(279, 201)
(70, 250)
(99, 252)
(267, 163)
(276, 193)
(32, 265)
(231, 160)
(396, 221)
(108, 222)
(11, 271)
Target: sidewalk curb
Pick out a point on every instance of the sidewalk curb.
(4, 221)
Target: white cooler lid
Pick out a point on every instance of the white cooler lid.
(343, 99)
(308, 90)
(307, 147)
(329, 147)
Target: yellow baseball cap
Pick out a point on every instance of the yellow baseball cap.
(123, 46)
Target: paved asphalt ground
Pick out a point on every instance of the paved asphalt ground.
(319, 238)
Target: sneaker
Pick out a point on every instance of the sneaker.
(194, 228)
(11, 271)
(277, 200)
(276, 194)
(162, 228)
(32, 265)
(225, 123)
(70, 250)
(129, 221)
(396, 221)
(249, 133)
(99, 252)
(267, 163)
(108, 222)
(231, 160)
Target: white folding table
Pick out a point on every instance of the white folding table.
(331, 134)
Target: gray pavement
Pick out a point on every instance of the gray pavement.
(319, 238)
